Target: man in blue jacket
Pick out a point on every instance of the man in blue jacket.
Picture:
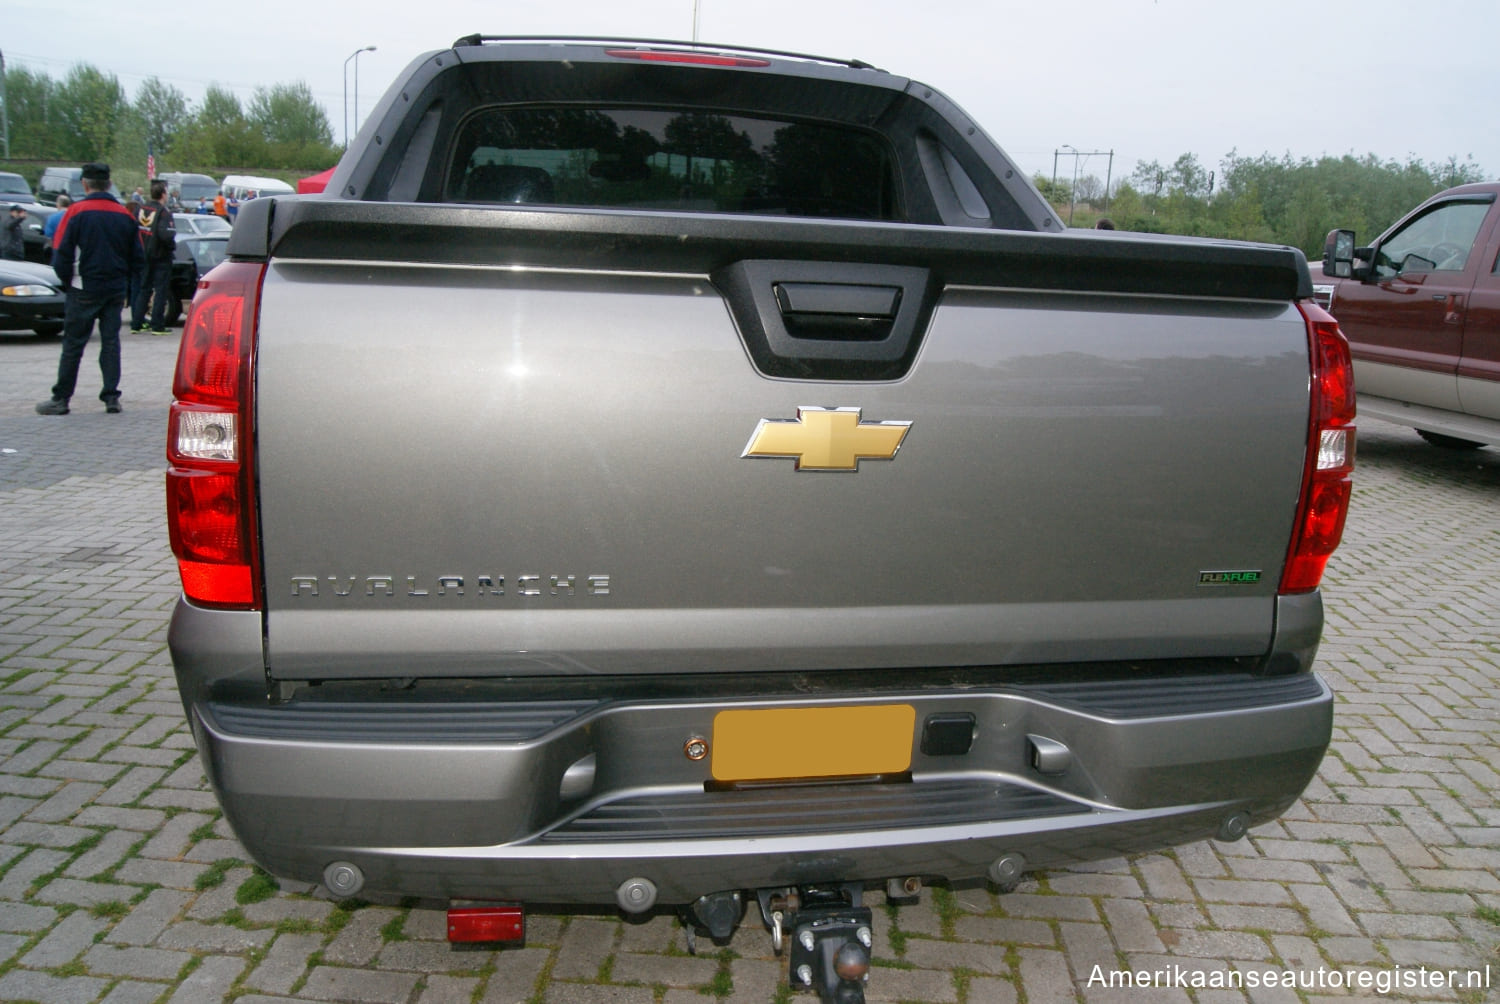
(98, 250)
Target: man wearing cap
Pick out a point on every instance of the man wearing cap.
(97, 252)
(12, 245)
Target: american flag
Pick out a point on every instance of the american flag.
(150, 164)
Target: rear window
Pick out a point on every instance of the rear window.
(685, 161)
(193, 189)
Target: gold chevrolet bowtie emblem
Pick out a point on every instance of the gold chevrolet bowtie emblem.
(826, 439)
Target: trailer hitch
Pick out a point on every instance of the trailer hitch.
(830, 936)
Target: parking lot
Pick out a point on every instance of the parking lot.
(119, 882)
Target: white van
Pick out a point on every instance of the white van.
(247, 186)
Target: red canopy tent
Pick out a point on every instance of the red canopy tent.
(316, 183)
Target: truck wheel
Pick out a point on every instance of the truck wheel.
(173, 312)
(1448, 442)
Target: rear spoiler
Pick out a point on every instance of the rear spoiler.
(700, 244)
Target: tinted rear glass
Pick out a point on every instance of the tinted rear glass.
(685, 161)
(192, 190)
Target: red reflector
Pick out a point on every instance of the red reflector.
(695, 58)
(487, 923)
(216, 585)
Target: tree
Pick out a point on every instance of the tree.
(88, 109)
(1148, 179)
(293, 126)
(1055, 192)
(1187, 177)
(1090, 189)
(163, 112)
(288, 114)
(29, 99)
(219, 134)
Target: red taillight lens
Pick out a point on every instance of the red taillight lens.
(206, 524)
(210, 484)
(1330, 455)
(209, 366)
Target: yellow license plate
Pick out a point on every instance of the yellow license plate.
(765, 744)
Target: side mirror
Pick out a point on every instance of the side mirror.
(1338, 254)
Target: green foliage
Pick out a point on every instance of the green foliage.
(213, 876)
(87, 109)
(259, 886)
(1278, 200)
(1056, 193)
(394, 929)
(292, 125)
(87, 117)
(29, 99)
(162, 111)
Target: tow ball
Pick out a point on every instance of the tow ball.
(829, 934)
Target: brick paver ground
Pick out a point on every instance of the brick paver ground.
(120, 882)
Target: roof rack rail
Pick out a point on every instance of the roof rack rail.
(477, 39)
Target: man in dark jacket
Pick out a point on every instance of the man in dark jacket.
(12, 244)
(159, 240)
(97, 252)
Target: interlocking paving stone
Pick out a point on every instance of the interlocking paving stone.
(120, 881)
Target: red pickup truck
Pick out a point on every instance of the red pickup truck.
(1421, 309)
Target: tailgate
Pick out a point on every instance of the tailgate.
(479, 470)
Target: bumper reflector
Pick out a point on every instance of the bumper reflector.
(502, 922)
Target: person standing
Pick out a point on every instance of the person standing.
(159, 242)
(49, 229)
(98, 252)
(12, 245)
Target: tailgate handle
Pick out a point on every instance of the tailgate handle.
(829, 320)
(838, 298)
(836, 311)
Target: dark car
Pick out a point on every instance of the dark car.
(31, 231)
(67, 181)
(196, 254)
(31, 298)
(13, 188)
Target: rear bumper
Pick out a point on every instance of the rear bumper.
(563, 801)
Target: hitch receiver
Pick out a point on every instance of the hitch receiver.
(830, 934)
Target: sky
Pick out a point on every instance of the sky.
(1148, 80)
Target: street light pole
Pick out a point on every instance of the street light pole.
(1073, 191)
(368, 48)
(354, 56)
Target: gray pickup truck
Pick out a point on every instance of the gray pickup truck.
(691, 477)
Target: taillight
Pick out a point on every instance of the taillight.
(1330, 455)
(210, 481)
